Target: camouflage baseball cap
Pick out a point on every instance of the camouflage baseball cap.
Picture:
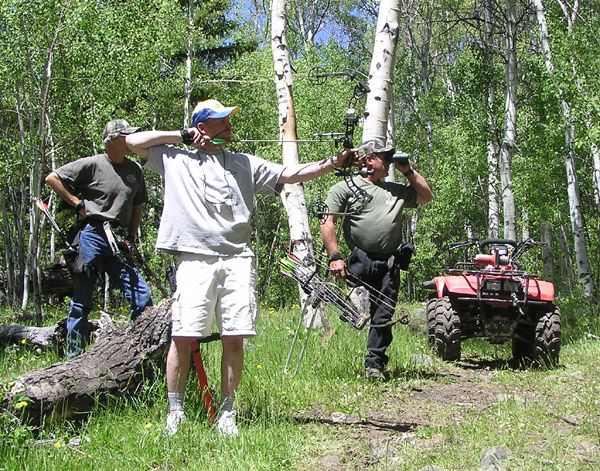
(118, 126)
(375, 146)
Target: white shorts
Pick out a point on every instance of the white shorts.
(210, 286)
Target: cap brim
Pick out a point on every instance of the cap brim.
(385, 153)
(230, 111)
(129, 130)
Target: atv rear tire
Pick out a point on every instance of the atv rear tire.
(443, 328)
(538, 342)
(547, 338)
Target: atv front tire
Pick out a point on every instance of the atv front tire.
(443, 328)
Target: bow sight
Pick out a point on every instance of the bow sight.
(351, 120)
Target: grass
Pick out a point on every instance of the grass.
(433, 413)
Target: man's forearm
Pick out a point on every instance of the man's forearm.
(421, 187)
(136, 219)
(55, 182)
(329, 236)
(140, 142)
(305, 172)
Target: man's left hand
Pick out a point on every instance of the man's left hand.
(340, 159)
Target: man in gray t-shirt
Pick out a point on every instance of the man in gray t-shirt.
(209, 199)
(103, 189)
(371, 219)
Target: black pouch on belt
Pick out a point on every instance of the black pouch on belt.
(73, 258)
(405, 253)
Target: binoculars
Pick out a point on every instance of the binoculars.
(398, 158)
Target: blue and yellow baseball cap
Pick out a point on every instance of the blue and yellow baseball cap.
(212, 109)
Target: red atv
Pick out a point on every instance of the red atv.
(491, 297)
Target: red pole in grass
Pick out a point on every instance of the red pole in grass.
(202, 379)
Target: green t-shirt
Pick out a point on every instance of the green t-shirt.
(377, 227)
(109, 190)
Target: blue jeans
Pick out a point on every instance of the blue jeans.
(98, 257)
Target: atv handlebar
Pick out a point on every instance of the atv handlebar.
(468, 243)
(518, 248)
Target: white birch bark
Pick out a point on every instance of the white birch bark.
(596, 176)
(187, 82)
(583, 267)
(389, 140)
(51, 206)
(492, 144)
(381, 71)
(510, 125)
(292, 195)
(24, 266)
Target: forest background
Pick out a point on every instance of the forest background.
(68, 67)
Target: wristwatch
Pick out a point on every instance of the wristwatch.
(186, 137)
(79, 206)
(409, 173)
(334, 257)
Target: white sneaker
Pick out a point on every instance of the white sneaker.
(174, 419)
(226, 423)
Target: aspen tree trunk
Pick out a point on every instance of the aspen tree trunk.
(548, 269)
(566, 267)
(524, 224)
(51, 200)
(583, 267)
(389, 139)
(510, 125)
(21, 268)
(35, 182)
(292, 195)
(596, 158)
(187, 83)
(381, 72)
(8, 252)
(492, 143)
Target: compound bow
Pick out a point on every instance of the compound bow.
(351, 120)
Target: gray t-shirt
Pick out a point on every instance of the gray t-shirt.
(209, 198)
(377, 227)
(109, 190)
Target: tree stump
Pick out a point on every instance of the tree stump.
(115, 365)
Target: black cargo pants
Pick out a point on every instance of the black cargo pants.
(379, 273)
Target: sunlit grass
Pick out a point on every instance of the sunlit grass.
(285, 422)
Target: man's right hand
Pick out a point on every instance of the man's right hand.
(338, 268)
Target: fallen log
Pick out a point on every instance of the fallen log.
(43, 337)
(52, 337)
(117, 363)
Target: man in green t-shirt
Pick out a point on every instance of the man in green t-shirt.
(371, 215)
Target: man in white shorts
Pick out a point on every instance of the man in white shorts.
(208, 202)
